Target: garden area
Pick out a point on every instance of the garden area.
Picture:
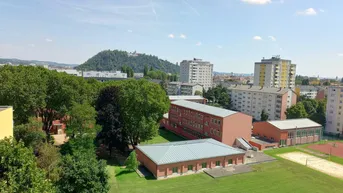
(280, 176)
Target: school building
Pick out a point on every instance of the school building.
(285, 133)
(198, 121)
(173, 159)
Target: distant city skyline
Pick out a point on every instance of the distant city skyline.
(231, 34)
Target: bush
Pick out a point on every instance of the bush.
(131, 162)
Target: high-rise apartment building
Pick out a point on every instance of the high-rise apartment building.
(275, 72)
(197, 71)
(180, 88)
(251, 100)
(334, 110)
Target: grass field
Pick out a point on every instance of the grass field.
(163, 137)
(279, 176)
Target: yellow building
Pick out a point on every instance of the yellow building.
(6, 122)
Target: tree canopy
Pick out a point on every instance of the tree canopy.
(109, 60)
(218, 95)
(19, 171)
(132, 162)
(264, 115)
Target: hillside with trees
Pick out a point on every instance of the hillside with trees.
(110, 60)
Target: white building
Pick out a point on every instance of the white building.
(68, 71)
(138, 75)
(103, 74)
(179, 88)
(275, 72)
(308, 91)
(197, 71)
(334, 110)
(252, 100)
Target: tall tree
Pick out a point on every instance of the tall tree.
(264, 115)
(30, 133)
(82, 172)
(296, 111)
(132, 162)
(146, 70)
(197, 92)
(109, 117)
(48, 159)
(141, 124)
(81, 120)
(19, 171)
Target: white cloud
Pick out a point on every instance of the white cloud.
(257, 2)
(309, 11)
(257, 38)
(171, 36)
(198, 44)
(340, 54)
(219, 46)
(129, 30)
(31, 45)
(183, 36)
(272, 38)
(48, 40)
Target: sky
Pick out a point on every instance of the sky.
(231, 34)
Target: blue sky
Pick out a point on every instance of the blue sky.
(232, 34)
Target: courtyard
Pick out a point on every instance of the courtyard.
(281, 176)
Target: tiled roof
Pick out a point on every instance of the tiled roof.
(294, 123)
(166, 153)
(258, 89)
(216, 111)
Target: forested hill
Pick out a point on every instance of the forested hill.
(114, 59)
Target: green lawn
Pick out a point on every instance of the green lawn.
(163, 137)
(279, 176)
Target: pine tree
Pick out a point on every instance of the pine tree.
(131, 162)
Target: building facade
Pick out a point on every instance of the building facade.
(252, 100)
(196, 99)
(311, 92)
(180, 88)
(173, 159)
(287, 132)
(275, 72)
(6, 122)
(334, 110)
(197, 71)
(198, 121)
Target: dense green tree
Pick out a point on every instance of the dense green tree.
(109, 117)
(151, 68)
(82, 172)
(79, 143)
(48, 159)
(219, 95)
(30, 133)
(131, 162)
(19, 171)
(81, 120)
(146, 70)
(264, 115)
(109, 60)
(141, 124)
(296, 111)
(310, 106)
(305, 82)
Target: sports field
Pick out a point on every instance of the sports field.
(333, 148)
(322, 165)
(279, 176)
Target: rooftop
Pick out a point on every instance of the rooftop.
(258, 89)
(184, 83)
(216, 111)
(4, 108)
(173, 152)
(185, 97)
(294, 123)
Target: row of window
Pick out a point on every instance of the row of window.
(215, 121)
(193, 133)
(192, 124)
(203, 166)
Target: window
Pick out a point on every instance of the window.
(230, 161)
(217, 163)
(298, 133)
(175, 170)
(204, 165)
(190, 167)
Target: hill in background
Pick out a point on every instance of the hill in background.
(28, 62)
(111, 60)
